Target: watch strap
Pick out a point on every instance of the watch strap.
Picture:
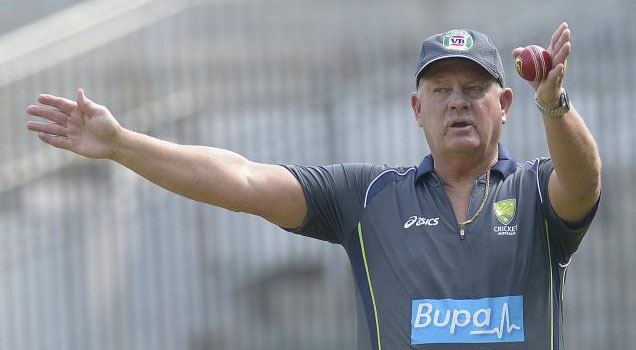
(558, 111)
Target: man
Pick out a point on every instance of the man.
(465, 251)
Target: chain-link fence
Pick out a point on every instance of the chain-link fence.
(94, 257)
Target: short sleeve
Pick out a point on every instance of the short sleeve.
(335, 198)
(564, 238)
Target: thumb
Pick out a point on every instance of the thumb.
(516, 52)
(550, 89)
(84, 103)
(555, 76)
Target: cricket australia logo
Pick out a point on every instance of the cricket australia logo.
(505, 212)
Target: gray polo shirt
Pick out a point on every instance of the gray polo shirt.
(421, 283)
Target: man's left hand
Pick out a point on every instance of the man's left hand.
(549, 90)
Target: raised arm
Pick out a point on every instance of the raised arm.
(206, 174)
(575, 183)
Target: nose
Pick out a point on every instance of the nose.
(458, 100)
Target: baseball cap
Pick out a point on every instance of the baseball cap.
(461, 43)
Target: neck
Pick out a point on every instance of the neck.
(462, 169)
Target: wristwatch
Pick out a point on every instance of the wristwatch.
(558, 111)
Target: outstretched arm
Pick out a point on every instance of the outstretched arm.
(206, 174)
(575, 183)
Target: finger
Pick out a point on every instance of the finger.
(557, 33)
(56, 141)
(63, 104)
(49, 128)
(562, 55)
(516, 52)
(563, 39)
(50, 113)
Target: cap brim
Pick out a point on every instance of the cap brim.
(419, 72)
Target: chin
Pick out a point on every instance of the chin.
(463, 145)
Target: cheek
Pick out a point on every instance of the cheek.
(432, 119)
(432, 125)
(492, 125)
(490, 116)
(431, 134)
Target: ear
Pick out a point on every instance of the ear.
(505, 102)
(416, 104)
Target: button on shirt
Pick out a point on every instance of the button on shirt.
(423, 285)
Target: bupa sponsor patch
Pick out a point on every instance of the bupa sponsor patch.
(486, 320)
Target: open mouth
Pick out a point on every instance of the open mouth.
(460, 124)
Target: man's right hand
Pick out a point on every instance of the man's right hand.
(81, 126)
(206, 174)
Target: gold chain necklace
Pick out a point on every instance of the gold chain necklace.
(481, 207)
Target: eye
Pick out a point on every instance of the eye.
(441, 90)
(475, 88)
(474, 91)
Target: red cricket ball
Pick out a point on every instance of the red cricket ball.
(533, 63)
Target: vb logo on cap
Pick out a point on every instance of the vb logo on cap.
(457, 40)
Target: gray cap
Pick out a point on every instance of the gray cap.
(461, 43)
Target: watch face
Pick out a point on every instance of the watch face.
(565, 101)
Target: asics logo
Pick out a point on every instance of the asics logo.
(419, 221)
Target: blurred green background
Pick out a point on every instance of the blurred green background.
(94, 257)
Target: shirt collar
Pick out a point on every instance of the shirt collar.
(505, 164)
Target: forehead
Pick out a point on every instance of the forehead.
(456, 66)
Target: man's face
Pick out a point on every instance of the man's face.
(460, 107)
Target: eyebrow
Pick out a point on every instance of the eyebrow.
(470, 80)
(435, 80)
(435, 75)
